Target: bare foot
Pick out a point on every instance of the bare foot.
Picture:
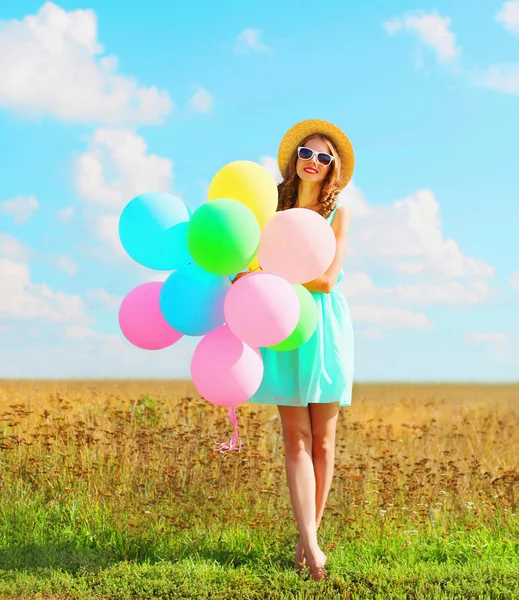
(315, 563)
(300, 557)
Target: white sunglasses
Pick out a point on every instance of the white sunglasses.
(323, 158)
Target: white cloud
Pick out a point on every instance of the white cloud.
(11, 248)
(434, 31)
(502, 78)
(372, 334)
(21, 208)
(65, 263)
(449, 292)
(99, 298)
(514, 280)
(407, 236)
(107, 230)
(358, 285)
(389, 317)
(375, 304)
(249, 40)
(201, 101)
(81, 332)
(393, 25)
(404, 243)
(82, 352)
(52, 64)
(431, 29)
(475, 336)
(354, 199)
(271, 164)
(508, 16)
(23, 300)
(66, 213)
(498, 341)
(117, 168)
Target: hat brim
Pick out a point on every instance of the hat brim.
(303, 129)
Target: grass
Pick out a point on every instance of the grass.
(111, 490)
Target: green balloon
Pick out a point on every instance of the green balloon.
(223, 236)
(305, 326)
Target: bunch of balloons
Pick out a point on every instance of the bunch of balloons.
(238, 228)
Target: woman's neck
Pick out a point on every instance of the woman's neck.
(308, 194)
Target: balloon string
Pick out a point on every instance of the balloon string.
(232, 444)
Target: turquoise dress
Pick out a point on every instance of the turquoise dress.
(321, 370)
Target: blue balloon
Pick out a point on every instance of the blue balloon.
(152, 229)
(192, 300)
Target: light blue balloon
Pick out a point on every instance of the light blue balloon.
(192, 300)
(152, 229)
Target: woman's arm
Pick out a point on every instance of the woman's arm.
(328, 279)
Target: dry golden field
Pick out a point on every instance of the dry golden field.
(400, 448)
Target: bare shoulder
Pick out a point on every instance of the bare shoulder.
(345, 212)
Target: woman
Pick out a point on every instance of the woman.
(310, 383)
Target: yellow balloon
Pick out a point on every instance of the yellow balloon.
(254, 265)
(249, 183)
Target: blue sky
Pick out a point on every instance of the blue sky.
(105, 100)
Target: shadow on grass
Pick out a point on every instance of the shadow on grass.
(70, 558)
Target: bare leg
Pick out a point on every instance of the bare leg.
(324, 424)
(297, 435)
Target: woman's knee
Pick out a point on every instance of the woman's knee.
(323, 445)
(297, 430)
(298, 441)
(324, 423)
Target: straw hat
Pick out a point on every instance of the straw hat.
(303, 129)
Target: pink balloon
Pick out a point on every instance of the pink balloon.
(225, 371)
(262, 309)
(297, 244)
(141, 320)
